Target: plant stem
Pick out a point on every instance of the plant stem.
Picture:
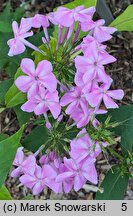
(115, 154)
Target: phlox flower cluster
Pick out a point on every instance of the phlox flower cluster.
(60, 174)
(48, 92)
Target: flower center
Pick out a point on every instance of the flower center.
(36, 78)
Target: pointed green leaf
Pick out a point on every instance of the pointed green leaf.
(114, 185)
(86, 3)
(8, 148)
(5, 27)
(13, 96)
(4, 194)
(3, 136)
(37, 137)
(124, 22)
(23, 117)
(4, 86)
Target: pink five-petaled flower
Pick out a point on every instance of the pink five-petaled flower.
(74, 98)
(88, 40)
(42, 102)
(39, 179)
(23, 165)
(17, 44)
(90, 66)
(39, 20)
(102, 33)
(42, 75)
(67, 183)
(67, 17)
(83, 115)
(98, 94)
(80, 172)
(83, 147)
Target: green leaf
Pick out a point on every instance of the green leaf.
(5, 27)
(124, 22)
(13, 96)
(8, 148)
(114, 185)
(104, 11)
(3, 136)
(23, 117)
(124, 115)
(6, 15)
(37, 137)
(4, 86)
(86, 3)
(4, 194)
(19, 12)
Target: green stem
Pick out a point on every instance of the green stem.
(115, 154)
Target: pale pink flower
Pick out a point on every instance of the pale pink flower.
(67, 183)
(73, 99)
(84, 115)
(67, 17)
(39, 20)
(42, 102)
(99, 94)
(42, 75)
(22, 164)
(17, 44)
(83, 147)
(91, 65)
(40, 179)
(80, 172)
(102, 33)
(88, 40)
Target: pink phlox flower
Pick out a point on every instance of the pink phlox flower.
(91, 65)
(84, 115)
(42, 75)
(67, 17)
(22, 164)
(67, 183)
(39, 180)
(55, 163)
(88, 40)
(102, 93)
(83, 147)
(73, 99)
(39, 20)
(42, 102)
(102, 33)
(51, 18)
(80, 172)
(16, 44)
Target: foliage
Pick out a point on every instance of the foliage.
(124, 22)
(4, 194)
(114, 185)
(8, 148)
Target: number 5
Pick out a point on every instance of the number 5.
(124, 206)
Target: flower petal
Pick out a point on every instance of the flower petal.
(109, 103)
(23, 83)
(116, 94)
(28, 67)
